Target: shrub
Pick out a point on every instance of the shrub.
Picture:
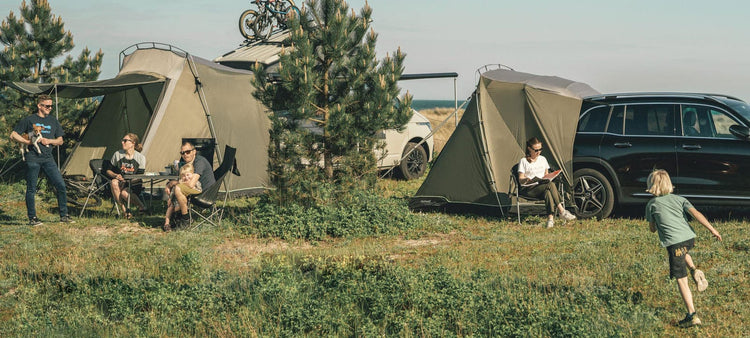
(365, 213)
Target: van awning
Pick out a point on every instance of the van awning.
(74, 90)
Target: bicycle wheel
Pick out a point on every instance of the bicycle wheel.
(247, 24)
(263, 26)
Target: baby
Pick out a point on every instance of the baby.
(187, 172)
(188, 184)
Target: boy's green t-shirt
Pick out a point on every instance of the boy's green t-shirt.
(670, 214)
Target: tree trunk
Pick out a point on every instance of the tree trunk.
(327, 156)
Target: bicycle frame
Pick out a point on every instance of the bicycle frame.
(270, 14)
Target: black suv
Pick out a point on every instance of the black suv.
(700, 139)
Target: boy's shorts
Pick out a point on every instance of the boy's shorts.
(677, 263)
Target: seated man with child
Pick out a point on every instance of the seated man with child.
(199, 174)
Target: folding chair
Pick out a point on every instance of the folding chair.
(515, 190)
(99, 183)
(206, 200)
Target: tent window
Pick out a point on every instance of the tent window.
(594, 120)
(204, 146)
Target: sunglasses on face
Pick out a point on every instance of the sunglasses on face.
(48, 106)
(538, 150)
(125, 140)
(186, 151)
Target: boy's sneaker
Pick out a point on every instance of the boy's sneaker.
(700, 280)
(34, 221)
(690, 320)
(550, 223)
(66, 219)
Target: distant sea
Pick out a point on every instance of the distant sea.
(427, 104)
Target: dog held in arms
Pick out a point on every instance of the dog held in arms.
(35, 137)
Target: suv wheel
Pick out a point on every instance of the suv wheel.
(592, 194)
(414, 165)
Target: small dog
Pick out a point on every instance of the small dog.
(35, 137)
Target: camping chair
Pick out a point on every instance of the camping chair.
(206, 200)
(99, 183)
(515, 190)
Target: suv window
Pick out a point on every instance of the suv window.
(594, 120)
(649, 119)
(705, 121)
(615, 122)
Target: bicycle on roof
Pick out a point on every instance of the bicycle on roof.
(255, 25)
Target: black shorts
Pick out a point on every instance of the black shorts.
(677, 263)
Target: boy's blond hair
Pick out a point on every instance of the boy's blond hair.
(186, 168)
(659, 183)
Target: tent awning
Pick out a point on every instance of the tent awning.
(88, 89)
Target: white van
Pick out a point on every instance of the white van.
(398, 144)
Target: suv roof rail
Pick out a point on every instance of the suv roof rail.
(660, 94)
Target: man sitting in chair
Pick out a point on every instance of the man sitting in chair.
(205, 176)
(531, 169)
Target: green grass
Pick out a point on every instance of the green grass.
(446, 275)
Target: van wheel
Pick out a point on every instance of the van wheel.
(592, 194)
(414, 165)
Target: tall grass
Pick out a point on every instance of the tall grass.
(449, 275)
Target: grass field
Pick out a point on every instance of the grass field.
(455, 275)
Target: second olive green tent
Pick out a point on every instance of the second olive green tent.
(507, 108)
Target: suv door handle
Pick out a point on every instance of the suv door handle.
(623, 145)
(691, 146)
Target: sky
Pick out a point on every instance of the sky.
(614, 46)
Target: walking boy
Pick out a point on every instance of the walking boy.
(667, 214)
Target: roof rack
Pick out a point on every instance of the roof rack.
(150, 45)
(660, 94)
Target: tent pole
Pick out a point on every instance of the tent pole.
(455, 113)
(486, 153)
(57, 116)
(202, 97)
(206, 110)
(455, 102)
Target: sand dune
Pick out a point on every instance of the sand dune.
(436, 117)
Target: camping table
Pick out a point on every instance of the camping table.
(148, 177)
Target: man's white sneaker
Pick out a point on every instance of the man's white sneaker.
(550, 223)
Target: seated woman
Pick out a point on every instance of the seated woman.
(532, 168)
(188, 185)
(128, 160)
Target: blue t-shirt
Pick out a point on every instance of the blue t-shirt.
(51, 129)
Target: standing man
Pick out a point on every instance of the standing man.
(52, 135)
(203, 173)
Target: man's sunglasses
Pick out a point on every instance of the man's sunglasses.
(186, 151)
(48, 106)
(538, 150)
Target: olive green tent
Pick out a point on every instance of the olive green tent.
(165, 95)
(507, 108)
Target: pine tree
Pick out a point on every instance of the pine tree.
(330, 76)
(31, 43)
